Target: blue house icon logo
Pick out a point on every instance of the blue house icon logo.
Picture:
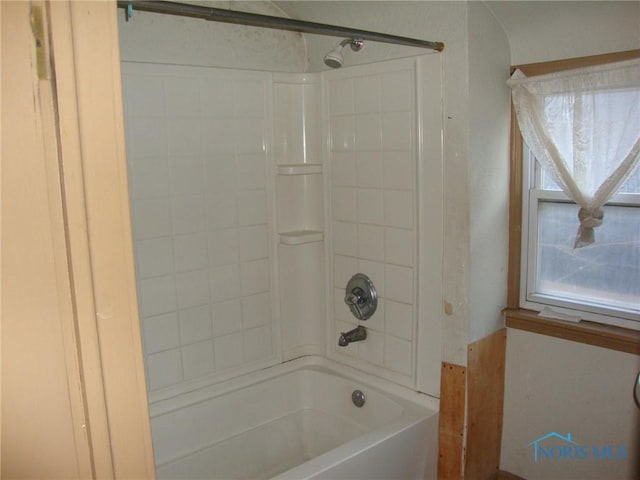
(555, 451)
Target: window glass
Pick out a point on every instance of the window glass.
(606, 273)
(632, 184)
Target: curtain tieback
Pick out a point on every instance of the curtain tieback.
(589, 219)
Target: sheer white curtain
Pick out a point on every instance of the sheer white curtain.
(583, 125)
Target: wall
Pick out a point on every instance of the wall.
(156, 38)
(552, 384)
(545, 31)
(489, 171)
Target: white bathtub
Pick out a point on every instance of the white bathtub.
(297, 421)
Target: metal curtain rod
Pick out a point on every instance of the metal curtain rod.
(267, 21)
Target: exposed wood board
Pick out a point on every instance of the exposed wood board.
(452, 417)
(485, 378)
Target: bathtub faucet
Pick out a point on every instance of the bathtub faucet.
(356, 335)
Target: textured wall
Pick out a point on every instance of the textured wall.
(489, 171)
(553, 385)
(544, 31)
(150, 37)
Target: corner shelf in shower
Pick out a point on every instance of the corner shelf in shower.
(300, 237)
(300, 169)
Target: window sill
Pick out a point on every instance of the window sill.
(606, 336)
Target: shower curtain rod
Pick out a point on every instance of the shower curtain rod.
(267, 21)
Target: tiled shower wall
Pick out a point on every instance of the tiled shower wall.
(196, 148)
(372, 114)
(199, 179)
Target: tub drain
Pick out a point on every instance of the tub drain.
(357, 397)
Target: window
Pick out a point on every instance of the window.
(600, 282)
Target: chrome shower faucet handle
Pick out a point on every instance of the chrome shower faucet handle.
(361, 297)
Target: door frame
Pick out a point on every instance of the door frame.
(85, 60)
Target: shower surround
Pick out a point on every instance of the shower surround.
(197, 143)
(240, 226)
(257, 192)
(372, 115)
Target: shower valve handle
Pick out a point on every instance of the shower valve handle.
(355, 300)
(361, 297)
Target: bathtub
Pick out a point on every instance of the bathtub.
(297, 421)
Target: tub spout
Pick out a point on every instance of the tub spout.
(356, 335)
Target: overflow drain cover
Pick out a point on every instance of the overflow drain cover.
(357, 397)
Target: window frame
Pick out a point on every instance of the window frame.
(608, 336)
